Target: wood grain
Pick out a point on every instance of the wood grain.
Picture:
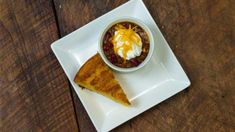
(202, 34)
(34, 93)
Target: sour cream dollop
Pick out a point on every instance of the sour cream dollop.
(126, 42)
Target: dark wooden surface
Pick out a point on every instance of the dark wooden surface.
(34, 91)
(36, 96)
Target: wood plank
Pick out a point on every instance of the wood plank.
(202, 35)
(34, 93)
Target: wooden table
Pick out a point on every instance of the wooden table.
(35, 94)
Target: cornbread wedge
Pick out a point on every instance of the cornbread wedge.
(96, 76)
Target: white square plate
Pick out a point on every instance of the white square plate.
(161, 78)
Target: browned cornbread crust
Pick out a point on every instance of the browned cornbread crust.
(95, 75)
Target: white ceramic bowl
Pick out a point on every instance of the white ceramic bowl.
(137, 22)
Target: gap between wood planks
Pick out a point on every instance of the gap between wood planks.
(70, 86)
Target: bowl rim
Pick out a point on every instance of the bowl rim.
(137, 22)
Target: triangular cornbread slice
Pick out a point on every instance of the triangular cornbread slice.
(96, 76)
